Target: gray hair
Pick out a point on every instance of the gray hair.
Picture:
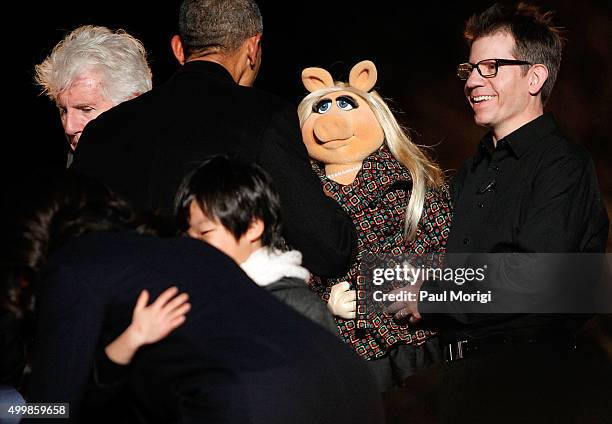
(217, 25)
(117, 57)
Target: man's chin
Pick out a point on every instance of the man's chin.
(481, 120)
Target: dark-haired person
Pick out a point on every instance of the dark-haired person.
(233, 206)
(143, 148)
(527, 189)
(240, 357)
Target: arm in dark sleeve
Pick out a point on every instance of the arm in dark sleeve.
(313, 223)
(565, 208)
(106, 373)
(69, 320)
(542, 269)
(295, 293)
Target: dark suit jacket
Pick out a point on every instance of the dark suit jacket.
(241, 357)
(144, 147)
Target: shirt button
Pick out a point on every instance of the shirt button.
(466, 241)
(495, 168)
(481, 205)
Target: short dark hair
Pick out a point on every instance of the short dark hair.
(234, 193)
(536, 39)
(217, 25)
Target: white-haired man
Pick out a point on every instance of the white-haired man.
(89, 71)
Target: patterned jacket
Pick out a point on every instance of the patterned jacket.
(376, 201)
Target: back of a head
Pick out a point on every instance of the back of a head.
(537, 40)
(235, 193)
(117, 57)
(219, 26)
(57, 208)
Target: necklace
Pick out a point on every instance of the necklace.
(346, 171)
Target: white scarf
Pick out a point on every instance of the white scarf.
(266, 266)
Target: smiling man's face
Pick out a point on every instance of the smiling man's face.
(499, 103)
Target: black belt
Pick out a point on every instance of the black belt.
(489, 345)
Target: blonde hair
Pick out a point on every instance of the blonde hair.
(425, 173)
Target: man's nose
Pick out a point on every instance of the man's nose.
(333, 127)
(73, 124)
(474, 80)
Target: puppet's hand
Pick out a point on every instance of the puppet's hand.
(342, 301)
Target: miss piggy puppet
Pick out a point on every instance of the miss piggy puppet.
(396, 198)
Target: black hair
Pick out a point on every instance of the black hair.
(234, 193)
(207, 26)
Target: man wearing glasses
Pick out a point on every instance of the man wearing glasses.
(527, 189)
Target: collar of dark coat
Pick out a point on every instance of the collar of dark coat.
(379, 173)
(211, 69)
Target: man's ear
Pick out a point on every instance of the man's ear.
(255, 230)
(538, 74)
(253, 50)
(177, 49)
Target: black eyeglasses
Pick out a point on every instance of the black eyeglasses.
(486, 68)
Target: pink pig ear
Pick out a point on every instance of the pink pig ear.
(363, 76)
(316, 78)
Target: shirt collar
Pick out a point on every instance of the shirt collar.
(519, 141)
(212, 69)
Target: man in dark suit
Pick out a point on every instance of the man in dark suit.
(143, 148)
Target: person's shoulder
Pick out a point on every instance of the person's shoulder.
(266, 100)
(99, 250)
(288, 283)
(558, 148)
(120, 117)
(101, 246)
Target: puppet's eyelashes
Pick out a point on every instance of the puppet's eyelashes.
(322, 106)
(343, 102)
(346, 103)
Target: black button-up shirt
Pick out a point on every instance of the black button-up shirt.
(534, 192)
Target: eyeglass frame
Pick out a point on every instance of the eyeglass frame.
(498, 63)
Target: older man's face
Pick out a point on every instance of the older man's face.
(81, 102)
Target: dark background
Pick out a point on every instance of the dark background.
(416, 47)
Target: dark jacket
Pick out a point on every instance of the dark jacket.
(143, 148)
(295, 293)
(241, 356)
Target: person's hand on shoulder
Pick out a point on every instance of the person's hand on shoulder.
(149, 324)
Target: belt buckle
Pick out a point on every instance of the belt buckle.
(455, 351)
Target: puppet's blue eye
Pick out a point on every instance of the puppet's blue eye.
(346, 103)
(323, 106)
